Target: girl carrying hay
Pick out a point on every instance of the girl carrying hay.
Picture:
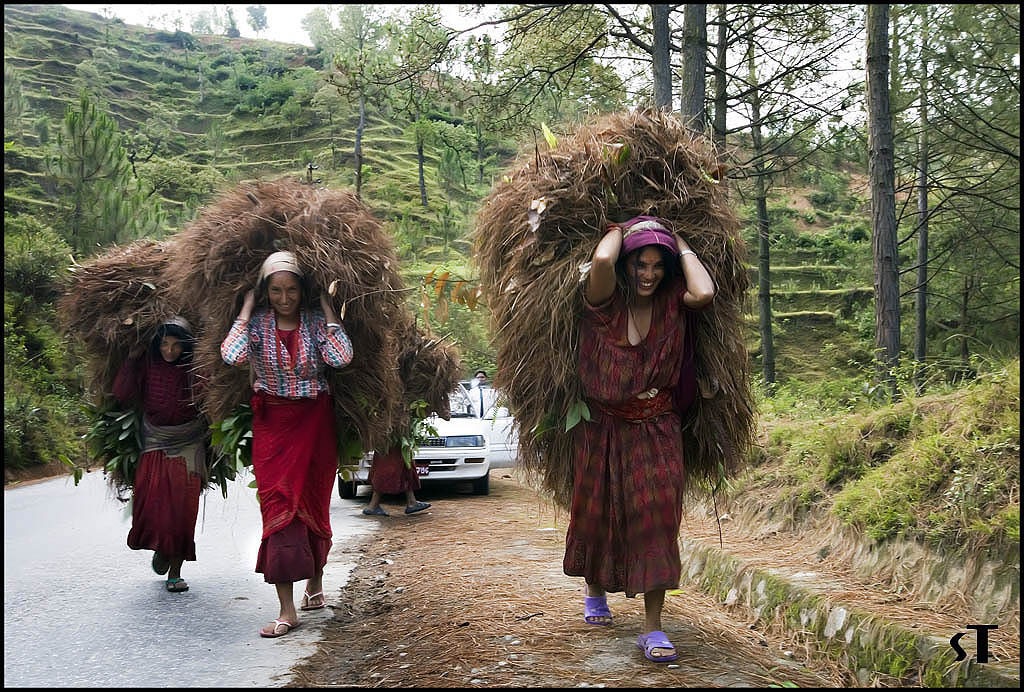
(294, 451)
(172, 469)
(628, 485)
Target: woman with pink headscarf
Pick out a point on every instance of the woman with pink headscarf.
(294, 450)
(636, 364)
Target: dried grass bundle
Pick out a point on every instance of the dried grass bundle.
(537, 229)
(428, 367)
(342, 249)
(114, 305)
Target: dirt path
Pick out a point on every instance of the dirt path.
(471, 593)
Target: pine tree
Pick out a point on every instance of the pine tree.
(104, 204)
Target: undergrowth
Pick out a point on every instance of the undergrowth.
(941, 468)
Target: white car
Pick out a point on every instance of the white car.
(502, 438)
(459, 451)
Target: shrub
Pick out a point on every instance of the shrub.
(40, 380)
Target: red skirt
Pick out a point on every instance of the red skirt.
(294, 459)
(165, 505)
(390, 475)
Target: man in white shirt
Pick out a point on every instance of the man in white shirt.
(481, 393)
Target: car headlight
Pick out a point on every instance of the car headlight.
(464, 441)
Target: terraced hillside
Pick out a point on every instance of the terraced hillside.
(200, 91)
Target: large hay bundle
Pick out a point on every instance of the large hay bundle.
(342, 249)
(114, 305)
(428, 368)
(537, 230)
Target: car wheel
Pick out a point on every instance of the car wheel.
(482, 485)
(346, 489)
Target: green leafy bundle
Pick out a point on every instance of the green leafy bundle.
(411, 438)
(232, 440)
(115, 439)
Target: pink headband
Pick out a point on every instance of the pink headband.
(641, 231)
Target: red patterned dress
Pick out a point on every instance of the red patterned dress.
(627, 496)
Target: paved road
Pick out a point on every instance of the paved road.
(83, 610)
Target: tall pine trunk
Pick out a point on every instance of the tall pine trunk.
(764, 282)
(921, 303)
(695, 48)
(720, 95)
(479, 154)
(881, 175)
(660, 56)
(359, 145)
(419, 161)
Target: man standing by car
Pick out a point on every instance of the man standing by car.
(481, 393)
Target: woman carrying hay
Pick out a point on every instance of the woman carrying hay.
(172, 469)
(294, 451)
(627, 494)
(390, 475)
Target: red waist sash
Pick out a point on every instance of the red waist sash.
(635, 409)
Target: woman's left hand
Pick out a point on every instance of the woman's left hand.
(325, 305)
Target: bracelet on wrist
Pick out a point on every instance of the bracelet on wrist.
(333, 324)
(687, 252)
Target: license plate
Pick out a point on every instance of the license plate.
(422, 470)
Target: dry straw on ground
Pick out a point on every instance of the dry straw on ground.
(539, 227)
(344, 253)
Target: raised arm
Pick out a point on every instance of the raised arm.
(700, 288)
(601, 280)
(235, 347)
(335, 346)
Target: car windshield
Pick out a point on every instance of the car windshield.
(461, 406)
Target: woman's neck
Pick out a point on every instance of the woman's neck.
(642, 302)
(286, 322)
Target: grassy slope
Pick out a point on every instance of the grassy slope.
(942, 468)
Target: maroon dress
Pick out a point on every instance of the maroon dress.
(628, 466)
(165, 495)
(389, 474)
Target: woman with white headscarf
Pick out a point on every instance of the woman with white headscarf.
(172, 469)
(294, 451)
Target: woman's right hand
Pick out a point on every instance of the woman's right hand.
(247, 305)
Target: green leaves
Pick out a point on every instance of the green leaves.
(232, 441)
(577, 411)
(115, 438)
(549, 136)
(74, 469)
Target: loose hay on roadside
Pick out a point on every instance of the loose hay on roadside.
(534, 235)
(476, 570)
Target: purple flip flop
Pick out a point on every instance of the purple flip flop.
(656, 640)
(596, 607)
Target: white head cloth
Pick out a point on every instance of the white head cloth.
(180, 321)
(279, 261)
